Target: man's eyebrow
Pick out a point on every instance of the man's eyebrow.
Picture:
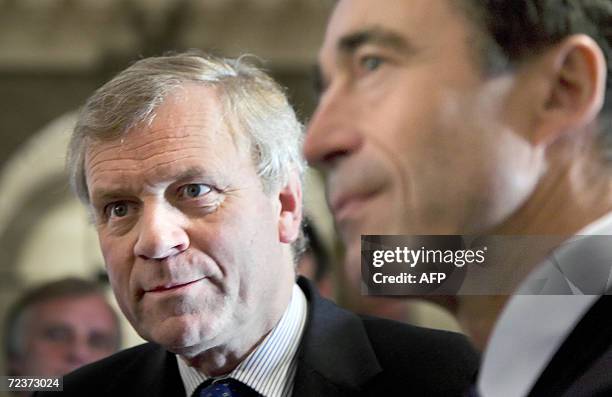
(349, 43)
(190, 173)
(375, 36)
(104, 194)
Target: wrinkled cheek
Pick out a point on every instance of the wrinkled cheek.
(118, 267)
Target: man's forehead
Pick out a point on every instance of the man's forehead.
(401, 17)
(190, 116)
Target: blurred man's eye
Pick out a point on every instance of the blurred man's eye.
(101, 341)
(370, 62)
(57, 334)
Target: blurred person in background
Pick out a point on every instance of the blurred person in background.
(314, 262)
(59, 326)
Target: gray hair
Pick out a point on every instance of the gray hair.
(256, 104)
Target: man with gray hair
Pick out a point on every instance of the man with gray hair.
(191, 167)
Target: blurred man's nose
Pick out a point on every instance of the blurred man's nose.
(161, 232)
(80, 353)
(332, 133)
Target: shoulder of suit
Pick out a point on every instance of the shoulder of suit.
(119, 367)
(435, 354)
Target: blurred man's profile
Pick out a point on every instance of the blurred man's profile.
(486, 118)
(59, 326)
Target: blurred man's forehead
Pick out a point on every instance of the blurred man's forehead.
(398, 22)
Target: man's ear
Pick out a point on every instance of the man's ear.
(575, 70)
(290, 219)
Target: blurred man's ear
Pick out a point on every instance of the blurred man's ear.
(574, 74)
(290, 219)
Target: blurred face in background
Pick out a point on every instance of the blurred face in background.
(63, 334)
(412, 137)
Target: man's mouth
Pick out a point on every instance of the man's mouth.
(173, 286)
(345, 206)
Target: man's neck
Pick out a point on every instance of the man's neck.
(562, 205)
(224, 358)
(565, 201)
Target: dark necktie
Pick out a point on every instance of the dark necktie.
(224, 388)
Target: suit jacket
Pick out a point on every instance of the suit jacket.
(340, 354)
(583, 363)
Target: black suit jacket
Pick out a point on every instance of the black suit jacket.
(582, 366)
(341, 354)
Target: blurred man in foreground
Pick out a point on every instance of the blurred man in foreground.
(192, 168)
(58, 327)
(484, 118)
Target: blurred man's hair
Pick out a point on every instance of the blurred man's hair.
(515, 30)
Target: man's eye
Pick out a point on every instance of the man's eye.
(56, 334)
(370, 63)
(194, 190)
(117, 210)
(102, 341)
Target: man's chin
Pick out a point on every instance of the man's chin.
(187, 351)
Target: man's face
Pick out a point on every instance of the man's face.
(63, 334)
(190, 239)
(413, 139)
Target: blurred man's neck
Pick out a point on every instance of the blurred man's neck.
(569, 198)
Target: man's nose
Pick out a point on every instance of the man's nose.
(161, 231)
(332, 132)
(79, 353)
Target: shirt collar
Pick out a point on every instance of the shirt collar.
(532, 327)
(270, 368)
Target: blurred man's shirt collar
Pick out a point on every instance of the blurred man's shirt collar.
(520, 347)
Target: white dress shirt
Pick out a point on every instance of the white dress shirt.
(532, 327)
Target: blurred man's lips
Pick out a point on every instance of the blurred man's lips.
(347, 205)
(173, 286)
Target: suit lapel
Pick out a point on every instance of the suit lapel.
(335, 356)
(170, 382)
(587, 342)
(154, 374)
